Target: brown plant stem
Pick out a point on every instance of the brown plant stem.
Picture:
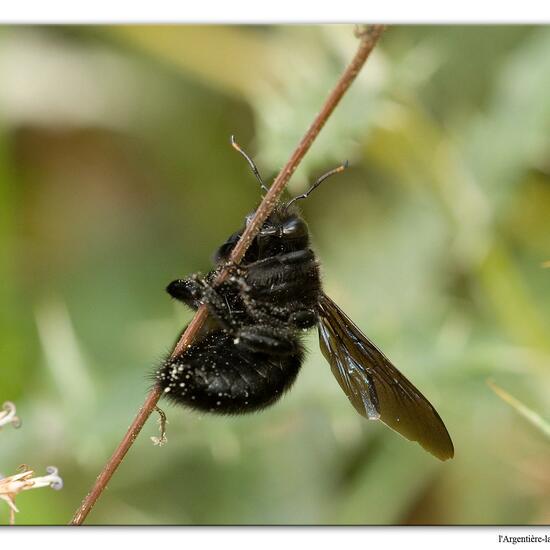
(368, 38)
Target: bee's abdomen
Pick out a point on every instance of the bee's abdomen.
(216, 376)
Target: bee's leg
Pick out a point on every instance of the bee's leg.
(263, 313)
(218, 307)
(195, 291)
(266, 339)
(189, 291)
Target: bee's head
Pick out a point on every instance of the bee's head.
(283, 231)
(282, 223)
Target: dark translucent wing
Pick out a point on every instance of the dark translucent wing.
(374, 386)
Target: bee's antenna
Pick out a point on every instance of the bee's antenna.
(336, 170)
(250, 162)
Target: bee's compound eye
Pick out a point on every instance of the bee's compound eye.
(295, 227)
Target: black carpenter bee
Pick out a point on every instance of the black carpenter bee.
(249, 351)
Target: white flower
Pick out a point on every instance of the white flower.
(8, 416)
(11, 486)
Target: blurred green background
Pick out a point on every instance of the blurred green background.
(116, 177)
